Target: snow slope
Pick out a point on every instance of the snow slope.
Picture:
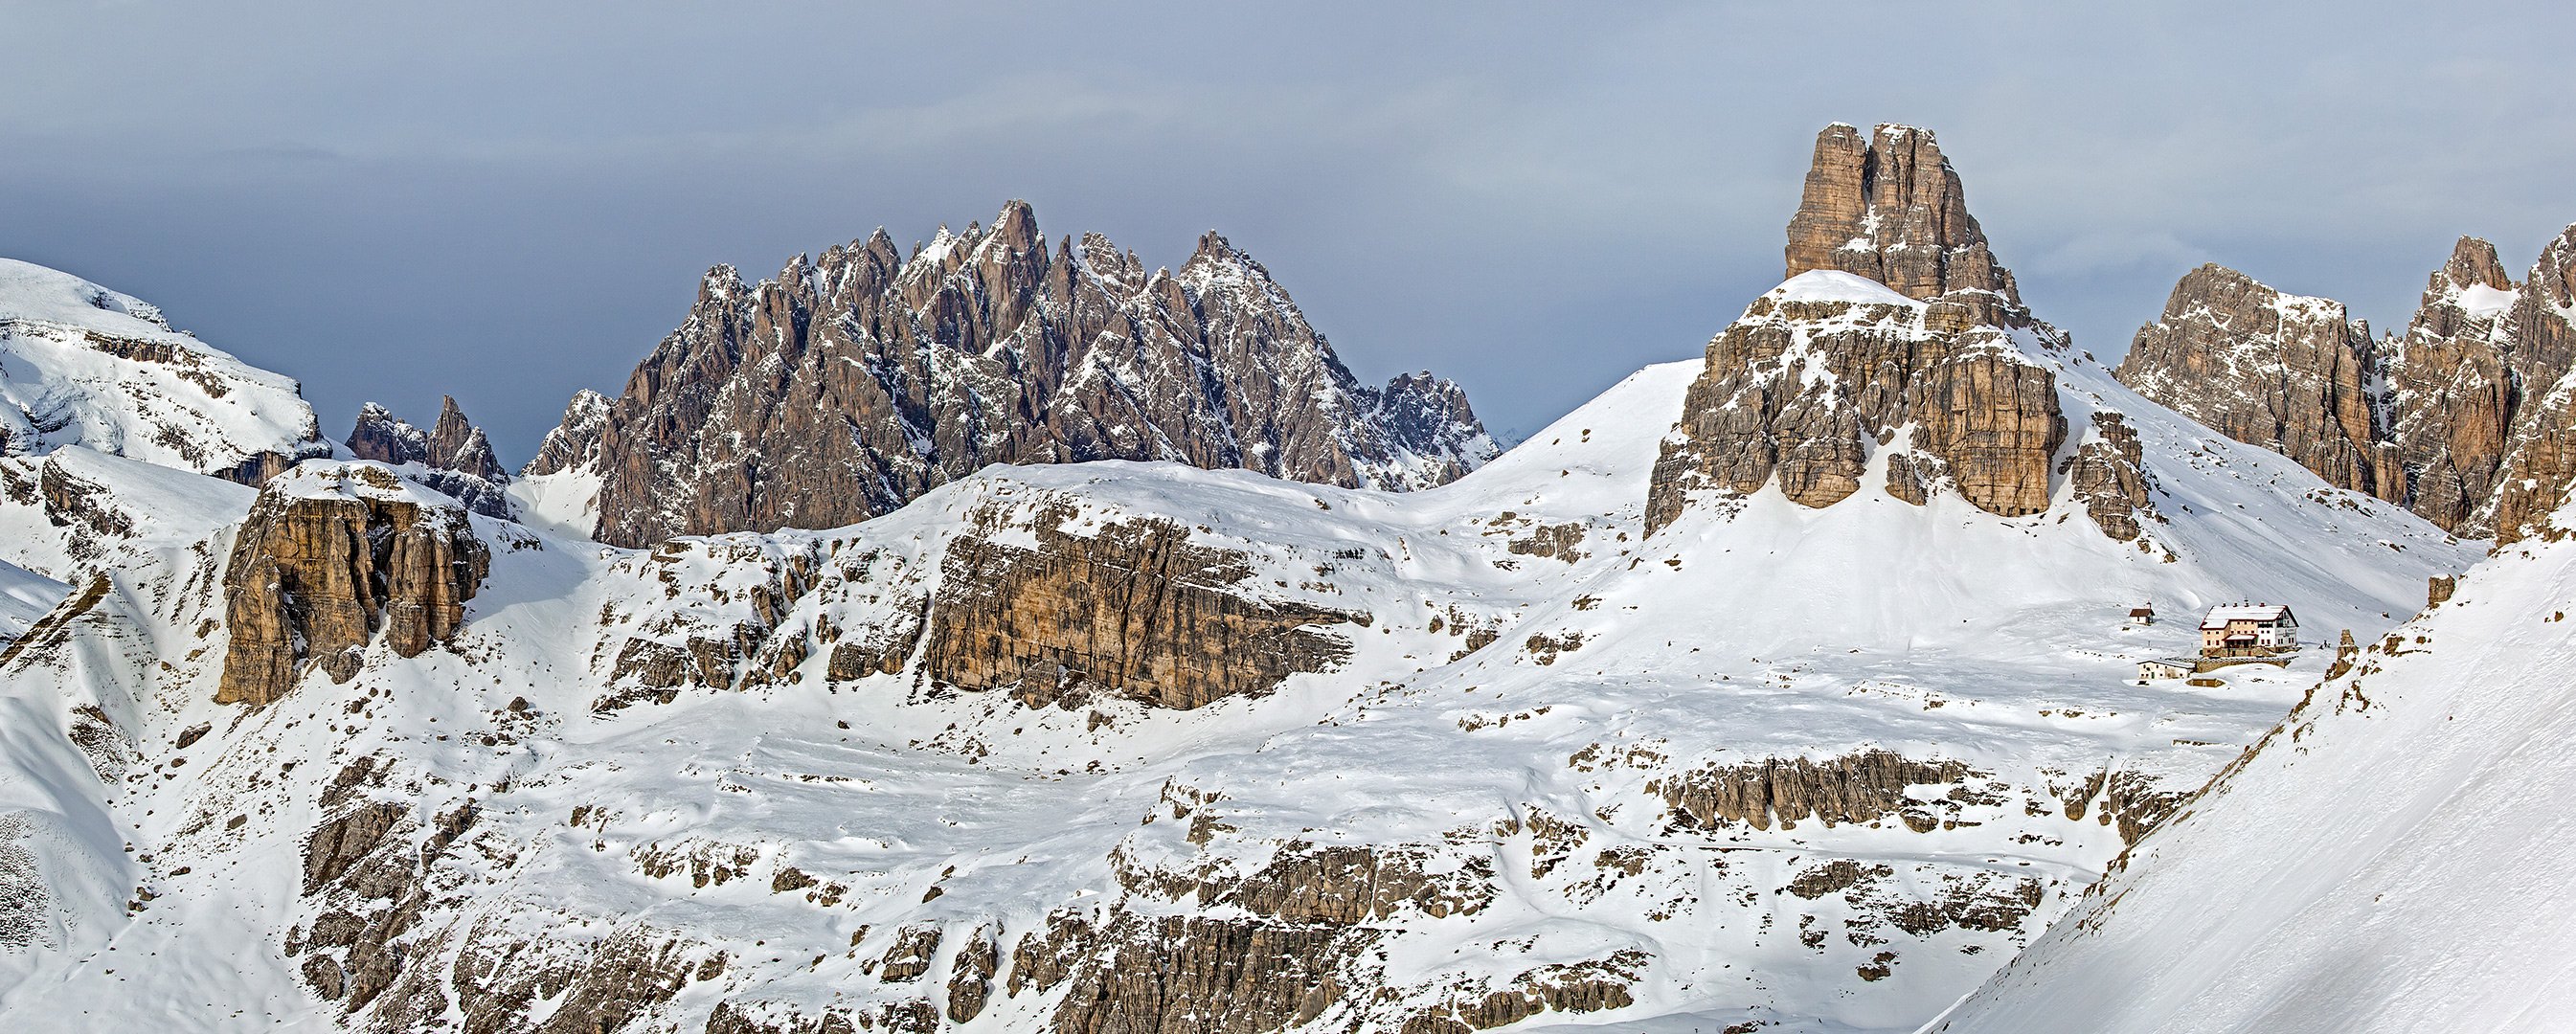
(84, 365)
(2391, 858)
(24, 597)
(1536, 688)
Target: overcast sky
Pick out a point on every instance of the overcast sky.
(509, 202)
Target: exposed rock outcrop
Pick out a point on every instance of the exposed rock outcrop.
(331, 555)
(1290, 944)
(2451, 394)
(970, 978)
(2540, 458)
(1184, 974)
(2110, 478)
(853, 383)
(2284, 372)
(452, 457)
(1828, 364)
(1861, 787)
(1895, 323)
(1131, 610)
(2461, 420)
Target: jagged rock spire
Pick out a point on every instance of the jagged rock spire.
(453, 456)
(2465, 419)
(1890, 208)
(1895, 318)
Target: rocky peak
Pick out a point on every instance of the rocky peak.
(331, 555)
(381, 436)
(575, 442)
(2540, 457)
(2465, 296)
(1890, 208)
(2461, 420)
(1895, 331)
(453, 456)
(2289, 373)
(2544, 316)
(850, 385)
(2450, 391)
(456, 444)
(2473, 263)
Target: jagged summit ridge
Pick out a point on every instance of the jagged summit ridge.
(1130, 746)
(855, 381)
(2462, 419)
(453, 456)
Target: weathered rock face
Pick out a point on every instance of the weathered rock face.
(2462, 428)
(2110, 478)
(1822, 368)
(852, 384)
(1896, 322)
(2284, 372)
(574, 441)
(330, 555)
(1862, 787)
(1890, 208)
(1132, 610)
(1991, 417)
(2540, 460)
(2451, 394)
(453, 456)
(1189, 974)
(2544, 317)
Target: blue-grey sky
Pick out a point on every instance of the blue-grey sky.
(511, 201)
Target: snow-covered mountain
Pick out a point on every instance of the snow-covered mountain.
(1144, 747)
(83, 365)
(2391, 857)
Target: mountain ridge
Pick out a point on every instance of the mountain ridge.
(850, 384)
(1792, 687)
(2460, 419)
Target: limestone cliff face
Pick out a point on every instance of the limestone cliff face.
(1032, 597)
(853, 383)
(1133, 610)
(2288, 373)
(1823, 369)
(2540, 458)
(2451, 393)
(2110, 478)
(2462, 420)
(1890, 208)
(330, 556)
(1896, 331)
(453, 456)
